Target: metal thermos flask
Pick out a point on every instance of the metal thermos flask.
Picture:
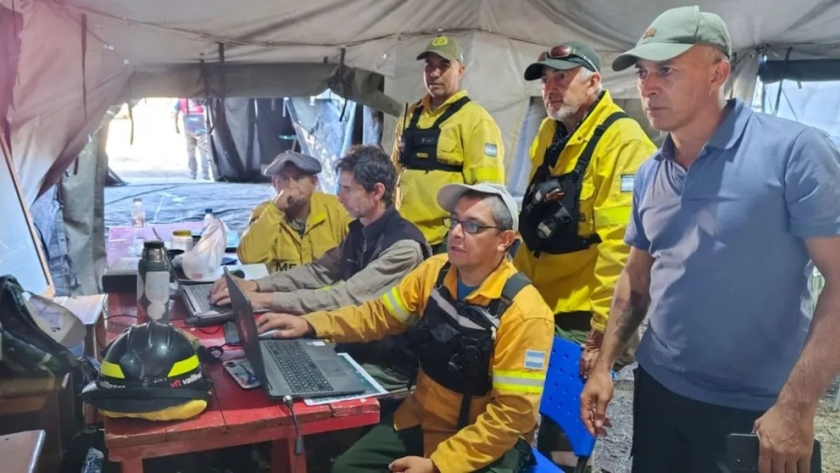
(153, 283)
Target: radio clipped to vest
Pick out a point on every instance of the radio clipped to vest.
(420, 145)
(550, 214)
(454, 340)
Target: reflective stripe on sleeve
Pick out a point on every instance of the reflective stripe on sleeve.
(519, 381)
(393, 302)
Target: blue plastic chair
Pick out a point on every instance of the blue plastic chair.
(561, 403)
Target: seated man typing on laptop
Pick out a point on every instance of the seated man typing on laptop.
(380, 249)
(482, 334)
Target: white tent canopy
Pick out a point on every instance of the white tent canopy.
(290, 48)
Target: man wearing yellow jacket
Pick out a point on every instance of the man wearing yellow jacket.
(442, 139)
(577, 205)
(482, 335)
(299, 224)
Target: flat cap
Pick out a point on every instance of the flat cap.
(304, 162)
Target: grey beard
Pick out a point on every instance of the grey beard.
(564, 114)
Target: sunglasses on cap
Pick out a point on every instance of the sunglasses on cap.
(564, 51)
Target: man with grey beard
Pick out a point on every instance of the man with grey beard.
(577, 206)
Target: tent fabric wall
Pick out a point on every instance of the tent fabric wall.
(286, 48)
(806, 70)
(250, 136)
(10, 25)
(230, 137)
(48, 123)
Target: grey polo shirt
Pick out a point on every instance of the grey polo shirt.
(729, 296)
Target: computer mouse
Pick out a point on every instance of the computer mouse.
(238, 273)
(267, 335)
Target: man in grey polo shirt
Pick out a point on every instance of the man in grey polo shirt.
(729, 217)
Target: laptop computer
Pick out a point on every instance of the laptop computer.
(200, 312)
(300, 368)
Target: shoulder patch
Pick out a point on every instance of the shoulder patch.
(490, 150)
(534, 360)
(627, 181)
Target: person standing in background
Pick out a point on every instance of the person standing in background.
(195, 132)
(445, 138)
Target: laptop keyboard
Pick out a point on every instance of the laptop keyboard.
(201, 294)
(298, 369)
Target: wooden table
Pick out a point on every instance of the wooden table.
(234, 416)
(39, 405)
(20, 451)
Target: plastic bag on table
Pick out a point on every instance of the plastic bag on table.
(203, 261)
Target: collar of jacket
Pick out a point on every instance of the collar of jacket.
(426, 102)
(490, 289)
(371, 232)
(317, 212)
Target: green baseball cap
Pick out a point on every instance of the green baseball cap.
(445, 47)
(673, 33)
(568, 55)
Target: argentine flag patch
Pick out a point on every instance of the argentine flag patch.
(627, 182)
(534, 360)
(490, 150)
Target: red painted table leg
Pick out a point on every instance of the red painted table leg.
(283, 459)
(132, 466)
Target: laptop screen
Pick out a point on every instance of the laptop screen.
(243, 313)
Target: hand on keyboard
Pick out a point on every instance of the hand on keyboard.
(283, 325)
(219, 295)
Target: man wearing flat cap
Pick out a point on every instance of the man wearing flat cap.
(299, 224)
(730, 216)
(445, 138)
(577, 204)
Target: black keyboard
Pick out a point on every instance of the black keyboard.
(298, 368)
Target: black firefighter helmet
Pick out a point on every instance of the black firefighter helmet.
(150, 371)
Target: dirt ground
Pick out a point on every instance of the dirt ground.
(612, 453)
(156, 168)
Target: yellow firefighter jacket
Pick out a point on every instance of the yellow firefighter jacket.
(497, 419)
(271, 240)
(585, 280)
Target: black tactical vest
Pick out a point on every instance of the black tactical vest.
(419, 145)
(550, 213)
(454, 340)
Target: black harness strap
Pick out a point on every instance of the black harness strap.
(451, 110)
(586, 156)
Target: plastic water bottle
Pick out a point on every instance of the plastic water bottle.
(153, 272)
(138, 214)
(208, 217)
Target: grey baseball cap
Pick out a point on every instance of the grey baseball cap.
(449, 194)
(673, 33)
(304, 162)
(568, 55)
(445, 47)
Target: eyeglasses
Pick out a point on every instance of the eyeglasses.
(564, 51)
(470, 227)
